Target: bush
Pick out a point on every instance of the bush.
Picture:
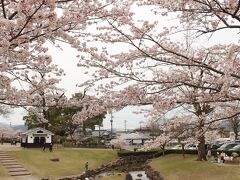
(179, 151)
(59, 139)
(158, 153)
(68, 144)
(137, 153)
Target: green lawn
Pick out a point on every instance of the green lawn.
(71, 161)
(174, 167)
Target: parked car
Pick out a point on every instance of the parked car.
(227, 146)
(236, 141)
(235, 148)
(108, 145)
(178, 146)
(190, 146)
(214, 146)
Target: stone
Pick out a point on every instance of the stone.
(55, 159)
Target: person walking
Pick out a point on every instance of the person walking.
(50, 147)
(44, 146)
(222, 157)
(209, 154)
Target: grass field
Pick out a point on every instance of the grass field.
(174, 167)
(71, 161)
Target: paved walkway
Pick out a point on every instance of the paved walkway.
(14, 168)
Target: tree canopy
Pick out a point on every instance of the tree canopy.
(61, 119)
(178, 53)
(175, 55)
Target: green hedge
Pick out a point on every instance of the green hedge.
(187, 151)
(157, 153)
(137, 153)
(179, 151)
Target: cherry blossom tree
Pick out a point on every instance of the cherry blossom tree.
(26, 27)
(235, 125)
(28, 77)
(183, 131)
(144, 61)
(43, 93)
(176, 129)
(118, 143)
(160, 142)
(6, 133)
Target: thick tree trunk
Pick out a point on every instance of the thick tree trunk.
(201, 149)
(236, 136)
(206, 109)
(235, 133)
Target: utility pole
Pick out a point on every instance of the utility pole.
(99, 131)
(111, 121)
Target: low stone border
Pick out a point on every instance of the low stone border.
(126, 164)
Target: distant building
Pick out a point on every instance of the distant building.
(102, 134)
(153, 133)
(99, 133)
(36, 137)
(135, 139)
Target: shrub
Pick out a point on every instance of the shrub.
(137, 153)
(68, 144)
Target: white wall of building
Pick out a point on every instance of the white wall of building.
(48, 139)
(30, 138)
(24, 139)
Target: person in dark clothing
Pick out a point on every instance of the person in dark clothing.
(51, 147)
(44, 146)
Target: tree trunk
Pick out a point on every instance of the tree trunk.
(45, 126)
(201, 149)
(163, 150)
(183, 152)
(235, 130)
(199, 110)
(99, 135)
(84, 129)
(71, 137)
(236, 136)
